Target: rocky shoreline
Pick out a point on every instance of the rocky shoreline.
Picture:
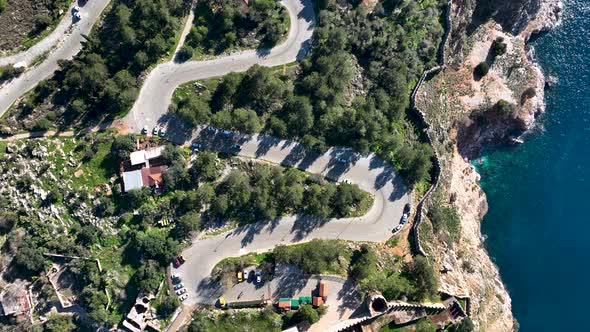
(463, 116)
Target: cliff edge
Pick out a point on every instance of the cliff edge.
(467, 109)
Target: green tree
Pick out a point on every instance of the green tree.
(206, 167)
(307, 313)
(185, 53)
(364, 265)
(167, 306)
(481, 69)
(59, 323)
(149, 276)
(424, 277)
(122, 147)
(187, 224)
(29, 257)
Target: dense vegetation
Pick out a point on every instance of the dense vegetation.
(126, 232)
(222, 25)
(445, 220)
(371, 269)
(103, 80)
(265, 320)
(380, 53)
(9, 72)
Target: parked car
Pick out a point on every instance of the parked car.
(407, 208)
(246, 274)
(196, 146)
(176, 263)
(397, 228)
(404, 218)
(144, 130)
(342, 160)
(162, 132)
(181, 259)
(178, 286)
(175, 278)
(183, 297)
(181, 291)
(236, 147)
(258, 277)
(240, 276)
(156, 130)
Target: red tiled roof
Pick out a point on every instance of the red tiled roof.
(152, 176)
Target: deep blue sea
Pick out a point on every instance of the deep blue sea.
(538, 224)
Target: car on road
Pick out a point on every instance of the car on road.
(258, 277)
(178, 286)
(156, 130)
(183, 297)
(144, 130)
(181, 291)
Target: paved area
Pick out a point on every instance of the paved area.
(67, 45)
(156, 93)
(369, 172)
(342, 301)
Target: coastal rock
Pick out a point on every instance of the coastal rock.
(466, 113)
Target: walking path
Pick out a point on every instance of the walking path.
(67, 45)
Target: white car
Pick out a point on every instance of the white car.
(178, 286)
(196, 146)
(183, 297)
(397, 228)
(181, 291)
(258, 277)
(156, 130)
(162, 132)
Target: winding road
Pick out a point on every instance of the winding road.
(156, 92)
(66, 44)
(369, 172)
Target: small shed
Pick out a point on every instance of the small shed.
(317, 301)
(285, 304)
(323, 291)
(305, 299)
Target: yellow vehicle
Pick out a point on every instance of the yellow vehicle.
(222, 303)
(240, 276)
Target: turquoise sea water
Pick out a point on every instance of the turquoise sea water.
(538, 225)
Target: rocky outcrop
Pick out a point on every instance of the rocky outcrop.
(466, 112)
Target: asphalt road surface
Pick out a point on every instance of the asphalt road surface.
(156, 92)
(67, 44)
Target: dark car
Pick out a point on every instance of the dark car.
(407, 208)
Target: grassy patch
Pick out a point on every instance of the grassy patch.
(266, 320)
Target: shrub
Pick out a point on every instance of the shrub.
(498, 47)
(184, 54)
(481, 69)
(503, 106)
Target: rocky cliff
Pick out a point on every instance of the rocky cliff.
(466, 111)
